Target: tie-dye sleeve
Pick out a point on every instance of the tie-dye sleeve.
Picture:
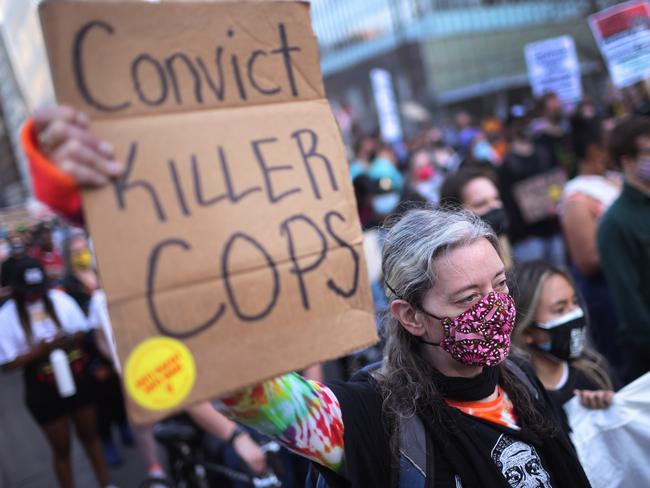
(301, 414)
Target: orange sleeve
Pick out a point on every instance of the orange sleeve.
(51, 185)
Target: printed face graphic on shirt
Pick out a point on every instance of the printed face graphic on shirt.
(520, 464)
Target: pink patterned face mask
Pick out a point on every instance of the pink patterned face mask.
(480, 336)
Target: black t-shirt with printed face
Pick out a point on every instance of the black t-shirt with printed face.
(516, 454)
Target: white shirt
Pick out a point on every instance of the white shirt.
(13, 342)
(98, 319)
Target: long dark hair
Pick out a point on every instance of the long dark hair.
(23, 315)
(405, 378)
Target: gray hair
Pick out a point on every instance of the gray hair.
(420, 237)
(406, 379)
(412, 245)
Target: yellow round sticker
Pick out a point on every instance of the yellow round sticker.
(160, 373)
(555, 192)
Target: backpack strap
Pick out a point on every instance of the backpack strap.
(413, 442)
(415, 455)
(523, 377)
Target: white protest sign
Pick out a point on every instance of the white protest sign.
(623, 36)
(553, 67)
(389, 122)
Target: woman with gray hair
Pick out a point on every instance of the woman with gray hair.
(446, 408)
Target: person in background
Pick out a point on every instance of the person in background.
(424, 179)
(17, 251)
(534, 234)
(386, 164)
(389, 196)
(44, 250)
(203, 414)
(466, 132)
(4, 244)
(35, 322)
(475, 189)
(623, 244)
(442, 155)
(584, 200)
(365, 151)
(482, 152)
(552, 131)
(80, 279)
(551, 331)
(80, 282)
(493, 130)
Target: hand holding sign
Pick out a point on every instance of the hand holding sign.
(63, 136)
(232, 231)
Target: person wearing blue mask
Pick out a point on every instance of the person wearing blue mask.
(384, 165)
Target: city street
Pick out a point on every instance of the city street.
(23, 444)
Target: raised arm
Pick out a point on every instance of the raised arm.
(301, 414)
(64, 157)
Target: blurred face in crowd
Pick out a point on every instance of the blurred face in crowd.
(463, 119)
(597, 158)
(557, 299)
(587, 111)
(367, 148)
(80, 255)
(45, 240)
(553, 108)
(517, 130)
(480, 195)
(16, 245)
(638, 169)
(421, 166)
(434, 137)
(385, 152)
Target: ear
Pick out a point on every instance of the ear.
(408, 316)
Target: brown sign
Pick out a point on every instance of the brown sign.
(234, 231)
(538, 196)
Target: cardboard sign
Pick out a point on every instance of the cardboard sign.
(230, 251)
(538, 196)
(553, 67)
(623, 36)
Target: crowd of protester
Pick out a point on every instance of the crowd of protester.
(543, 178)
(566, 194)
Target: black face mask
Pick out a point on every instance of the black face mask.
(567, 336)
(497, 218)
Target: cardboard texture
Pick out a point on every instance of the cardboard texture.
(234, 229)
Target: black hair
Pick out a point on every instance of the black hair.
(451, 191)
(586, 132)
(23, 315)
(20, 287)
(529, 278)
(623, 138)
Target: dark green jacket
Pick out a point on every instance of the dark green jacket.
(624, 248)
